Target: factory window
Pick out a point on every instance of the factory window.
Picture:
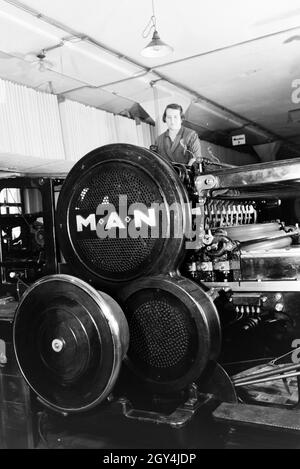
(10, 201)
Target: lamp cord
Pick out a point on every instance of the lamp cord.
(151, 24)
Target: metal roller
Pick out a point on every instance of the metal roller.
(174, 331)
(268, 244)
(249, 232)
(69, 340)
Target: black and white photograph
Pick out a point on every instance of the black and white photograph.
(149, 228)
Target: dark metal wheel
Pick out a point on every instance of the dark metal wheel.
(69, 341)
(96, 214)
(174, 331)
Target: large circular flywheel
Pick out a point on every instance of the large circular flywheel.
(122, 213)
(174, 331)
(69, 341)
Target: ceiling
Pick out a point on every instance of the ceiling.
(235, 66)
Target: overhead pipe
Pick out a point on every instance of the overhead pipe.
(157, 129)
(99, 87)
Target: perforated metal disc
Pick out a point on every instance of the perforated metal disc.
(100, 229)
(69, 341)
(174, 331)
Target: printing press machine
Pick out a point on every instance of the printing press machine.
(172, 319)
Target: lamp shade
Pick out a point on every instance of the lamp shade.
(156, 47)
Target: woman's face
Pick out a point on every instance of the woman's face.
(173, 119)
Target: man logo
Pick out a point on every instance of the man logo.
(90, 222)
(114, 220)
(106, 220)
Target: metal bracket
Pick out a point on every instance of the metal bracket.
(205, 182)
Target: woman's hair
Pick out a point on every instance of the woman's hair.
(173, 106)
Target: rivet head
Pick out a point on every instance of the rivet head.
(57, 345)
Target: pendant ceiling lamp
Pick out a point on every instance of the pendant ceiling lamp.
(156, 47)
